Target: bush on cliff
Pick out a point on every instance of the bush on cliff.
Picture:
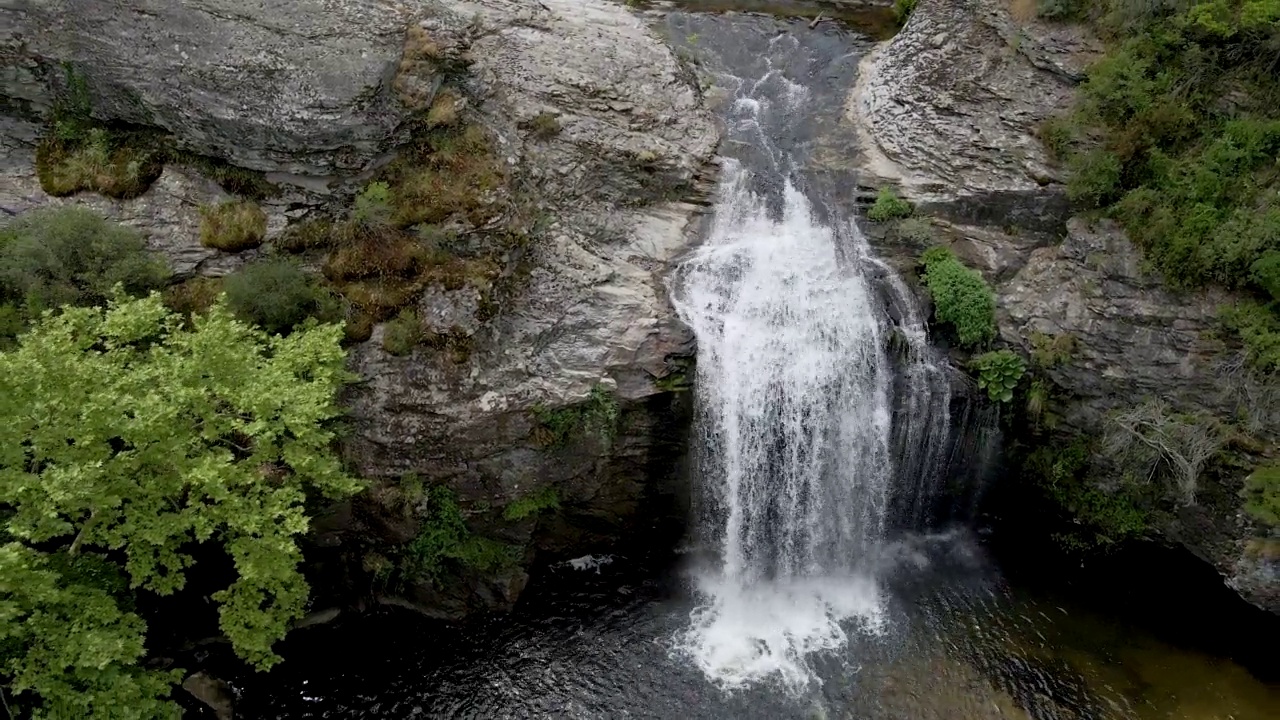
(277, 295)
(71, 256)
(961, 298)
(156, 442)
(233, 226)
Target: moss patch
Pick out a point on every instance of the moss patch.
(115, 164)
(233, 226)
(532, 504)
(445, 172)
(597, 415)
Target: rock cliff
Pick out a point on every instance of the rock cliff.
(560, 401)
(948, 111)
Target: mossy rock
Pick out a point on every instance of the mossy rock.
(233, 226)
(117, 166)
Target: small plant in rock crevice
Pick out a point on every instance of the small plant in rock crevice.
(599, 413)
(532, 504)
(999, 372)
(401, 335)
(888, 206)
(445, 542)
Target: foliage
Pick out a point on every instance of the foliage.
(194, 296)
(1175, 133)
(278, 295)
(902, 10)
(373, 204)
(598, 413)
(999, 372)
(448, 171)
(533, 504)
(1051, 350)
(1105, 517)
(917, 230)
(238, 181)
(1062, 9)
(71, 256)
(1261, 494)
(445, 109)
(445, 543)
(306, 235)
(402, 335)
(544, 126)
(1259, 328)
(888, 206)
(961, 298)
(78, 153)
(232, 226)
(153, 437)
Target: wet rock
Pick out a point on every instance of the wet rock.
(213, 692)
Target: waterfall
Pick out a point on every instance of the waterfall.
(806, 422)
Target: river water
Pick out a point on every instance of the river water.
(801, 593)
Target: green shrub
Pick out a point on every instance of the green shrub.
(1259, 328)
(1175, 133)
(1261, 494)
(1104, 517)
(373, 204)
(1062, 9)
(233, 226)
(888, 206)
(530, 505)
(402, 335)
(902, 10)
(445, 543)
(998, 373)
(71, 256)
(278, 295)
(961, 298)
(151, 435)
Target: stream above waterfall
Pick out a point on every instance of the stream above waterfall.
(811, 585)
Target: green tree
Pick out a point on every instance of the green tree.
(130, 438)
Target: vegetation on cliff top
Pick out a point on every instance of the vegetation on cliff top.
(1175, 133)
(158, 442)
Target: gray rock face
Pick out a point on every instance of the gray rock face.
(1134, 340)
(292, 86)
(948, 111)
(632, 139)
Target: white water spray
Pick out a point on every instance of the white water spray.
(795, 419)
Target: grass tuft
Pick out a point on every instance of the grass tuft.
(233, 226)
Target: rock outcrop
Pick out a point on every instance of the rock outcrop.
(948, 111)
(291, 86)
(564, 392)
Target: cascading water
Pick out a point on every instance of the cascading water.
(798, 401)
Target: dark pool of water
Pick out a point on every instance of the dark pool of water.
(959, 640)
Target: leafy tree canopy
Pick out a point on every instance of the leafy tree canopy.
(129, 438)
